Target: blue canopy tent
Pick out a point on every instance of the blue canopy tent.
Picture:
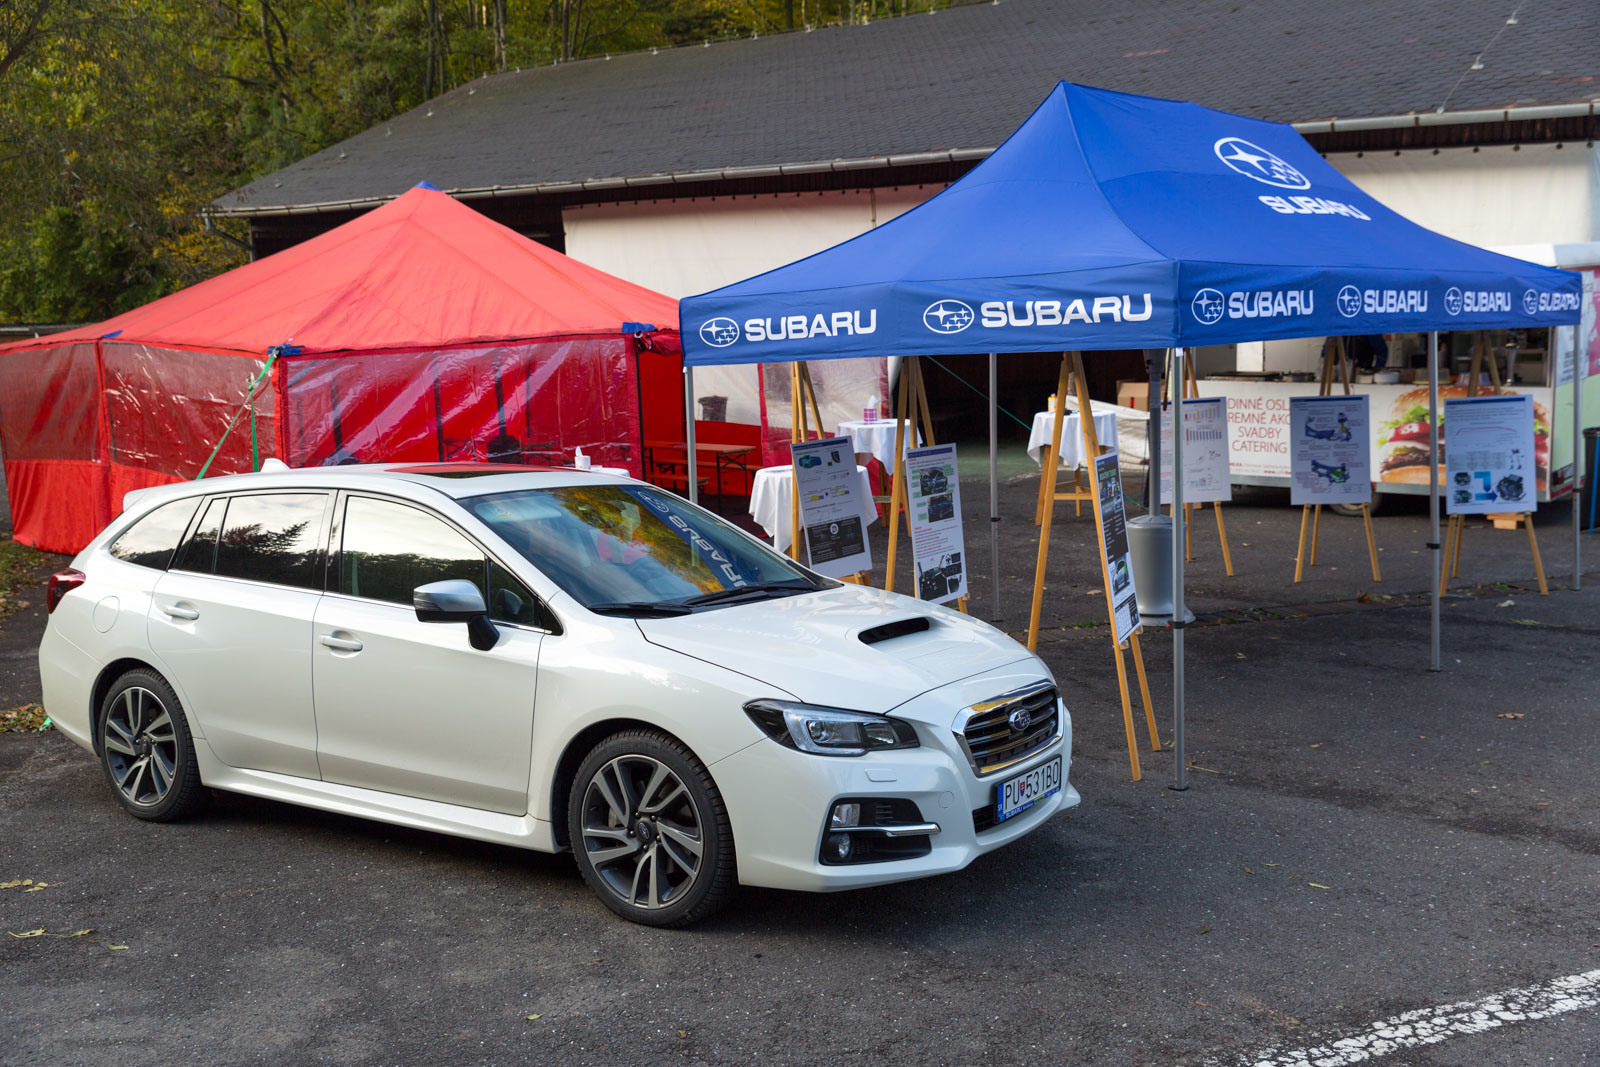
(1111, 221)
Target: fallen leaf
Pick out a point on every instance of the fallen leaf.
(1506, 604)
(29, 933)
(1238, 655)
(1485, 762)
(1317, 745)
(1203, 931)
(535, 1015)
(683, 1033)
(116, 948)
(1202, 1003)
(1502, 715)
(1314, 885)
(1527, 622)
(1272, 865)
(39, 886)
(80, 933)
(1544, 803)
(1363, 598)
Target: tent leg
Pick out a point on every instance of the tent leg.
(688, 435)
(1181, 770)
(994, 484)
(1433, 489)
(1577, 465)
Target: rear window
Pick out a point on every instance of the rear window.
(149, 541)
(273, 538)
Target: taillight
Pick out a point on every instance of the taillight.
(62, 583)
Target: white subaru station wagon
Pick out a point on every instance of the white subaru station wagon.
(551, 659)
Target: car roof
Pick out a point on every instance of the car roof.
(451, 479)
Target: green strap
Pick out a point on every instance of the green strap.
(249, 402)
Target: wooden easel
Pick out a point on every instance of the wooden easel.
(911, 414)
(1191, 390)
(1073, 363)
(1334, 360)
(1458, 523)
(803, 402)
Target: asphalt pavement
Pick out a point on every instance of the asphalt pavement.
(1362, 839)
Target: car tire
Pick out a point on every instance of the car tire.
(146, 749)
(640, 807)
(1353, 511)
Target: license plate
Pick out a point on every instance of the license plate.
(1016, 795)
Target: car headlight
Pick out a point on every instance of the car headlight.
(829, 731)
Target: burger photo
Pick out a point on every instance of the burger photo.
(1403, 438)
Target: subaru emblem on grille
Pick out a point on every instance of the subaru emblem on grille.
(1020, 720)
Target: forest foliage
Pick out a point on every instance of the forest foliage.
(121, 119)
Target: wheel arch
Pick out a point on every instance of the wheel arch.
(108, 677)
(578, 747)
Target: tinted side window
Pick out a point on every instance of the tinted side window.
(390, 549)
(149, 541)
(272, 538)
(199, 553)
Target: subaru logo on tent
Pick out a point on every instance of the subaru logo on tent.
(1207, 306)
(1349, 301)
(1530, 301)
(947, 316)
(1256, 162)
(1452, 300)
(719, 333)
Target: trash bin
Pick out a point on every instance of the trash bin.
(1587, 502)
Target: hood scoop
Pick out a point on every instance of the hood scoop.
(899, 628)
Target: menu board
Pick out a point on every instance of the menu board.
(934, 493)
(1114, 547)
(830, 514)
(1489, 462)
(1330, 450)
(1205, 451)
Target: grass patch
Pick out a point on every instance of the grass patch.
(26, 719)
(18, 564)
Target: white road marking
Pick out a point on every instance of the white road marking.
(1429, 1026)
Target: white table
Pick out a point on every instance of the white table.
(1105, 428)
(875, 439)
(772, 495)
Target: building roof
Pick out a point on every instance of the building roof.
(947, 85)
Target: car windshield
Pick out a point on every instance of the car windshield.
(629, 549)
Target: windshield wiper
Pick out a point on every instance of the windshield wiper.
(735, 592)
(639, 607)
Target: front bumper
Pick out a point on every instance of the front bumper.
(778, 799)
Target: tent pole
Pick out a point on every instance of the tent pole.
(994, 484)
(1181, 777)
(1577, 465)
(688, 434)
(1433, 484)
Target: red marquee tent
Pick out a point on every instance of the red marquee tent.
(419, 331)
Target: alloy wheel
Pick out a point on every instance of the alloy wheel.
(141, 746)
(642, 831)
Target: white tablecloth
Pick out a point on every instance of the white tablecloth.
(1105, 428)
(773, 492)
(874, 439)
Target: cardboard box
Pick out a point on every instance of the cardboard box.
(1133, 393)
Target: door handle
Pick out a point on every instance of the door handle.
(341, 644)
(178, 611)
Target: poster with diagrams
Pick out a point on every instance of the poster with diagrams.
(830, 513)
(934, 494)
(1114, 548)
(1205, 451)
(1489, 458)
(1330, 450)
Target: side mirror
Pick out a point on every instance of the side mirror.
(456, 600)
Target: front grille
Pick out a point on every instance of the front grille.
(992, 743)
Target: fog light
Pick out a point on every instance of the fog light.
(845, 815)
(840, 844)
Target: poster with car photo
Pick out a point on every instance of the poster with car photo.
(1114, 547)
(1489, 466)
(825, 475)
(934, 492)
(1330, 450)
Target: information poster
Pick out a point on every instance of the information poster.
(1489, 464)
(830, 514)
(1114, 547)
(1330, 450)
(1205, 452)
(935, 510)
